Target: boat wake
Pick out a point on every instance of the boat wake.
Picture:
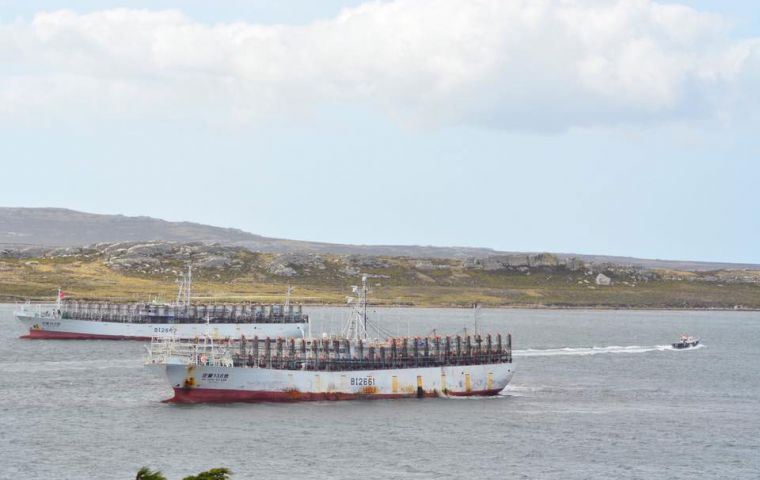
(584, 351)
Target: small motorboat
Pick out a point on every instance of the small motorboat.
(686, 341)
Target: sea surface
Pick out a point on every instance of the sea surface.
(597, 394)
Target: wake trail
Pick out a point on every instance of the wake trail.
(583, 351)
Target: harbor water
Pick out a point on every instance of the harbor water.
(597, 394)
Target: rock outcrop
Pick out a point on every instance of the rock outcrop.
(170, 258)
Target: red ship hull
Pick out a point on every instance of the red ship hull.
(204, 395)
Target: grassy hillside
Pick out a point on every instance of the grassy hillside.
(395, 281)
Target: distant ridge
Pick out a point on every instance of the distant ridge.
(64, 227)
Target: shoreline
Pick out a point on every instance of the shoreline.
(4, 302)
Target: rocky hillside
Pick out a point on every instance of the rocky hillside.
(47, 227)
(159, 258)
(135, 269)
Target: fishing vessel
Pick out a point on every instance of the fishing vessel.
(78, 320)
(686, 341)
(347, 366)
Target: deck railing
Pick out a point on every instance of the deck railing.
(335, 354)
(156, 313)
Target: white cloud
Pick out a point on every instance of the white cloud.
(514, 64)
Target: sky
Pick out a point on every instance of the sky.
(600, 127)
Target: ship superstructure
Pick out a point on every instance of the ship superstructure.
(143, 321)
(346, 366)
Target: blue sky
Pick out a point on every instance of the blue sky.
(631, 132)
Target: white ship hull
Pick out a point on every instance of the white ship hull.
(48, 327)
(201, 383)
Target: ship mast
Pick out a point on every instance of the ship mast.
(356, 326)
(58, 301)
(181, 288)
(185, 287)
(189, 288)
(287, 300)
